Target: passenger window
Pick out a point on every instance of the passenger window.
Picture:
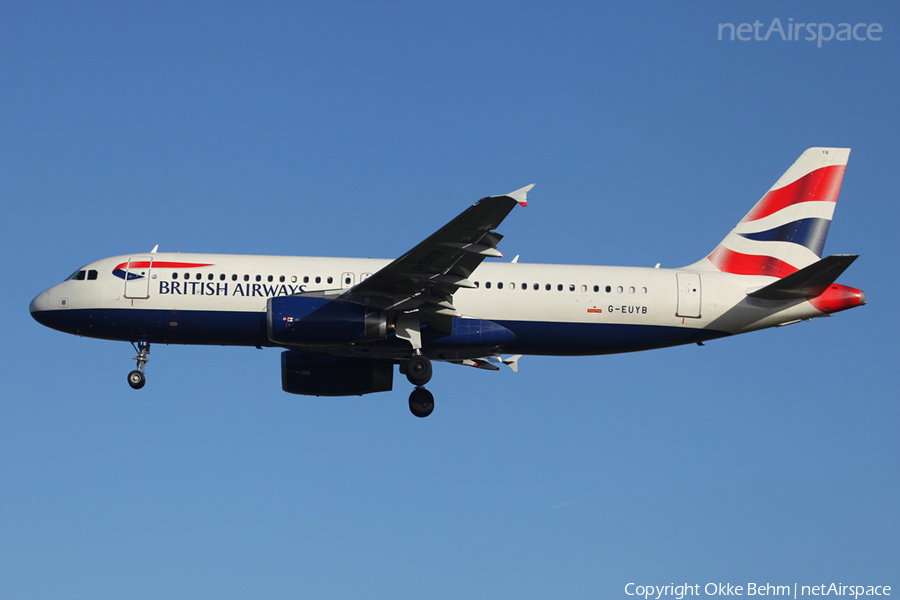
(234, 277)
(174, 275)
(210, 276)
(631, 290)
(537, 286)
(222, 277)
(318, 279)
(270, 279)
(259, 277)
(547, 287)
(559, 288)
(246, 278)
(571, 287)
(499, 285)
(281, 279)
(524, 286)
(187, 275)
(92, 274)
(199, 276)
(608, 289)
(596, 288)
(487, 285)
(330, 279)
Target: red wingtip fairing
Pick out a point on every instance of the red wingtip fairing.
(837, 298)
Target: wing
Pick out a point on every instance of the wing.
(427, 276)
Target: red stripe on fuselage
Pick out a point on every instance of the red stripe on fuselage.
(143, 264)
(822, 185)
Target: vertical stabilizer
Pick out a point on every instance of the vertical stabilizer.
(786, 230)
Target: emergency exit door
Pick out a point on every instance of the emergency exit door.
(137, 277)
(688, 295)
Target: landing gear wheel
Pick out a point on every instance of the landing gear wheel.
(136, 379)
(421, 402)
(418, 370)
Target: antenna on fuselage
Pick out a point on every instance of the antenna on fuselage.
(155, 248)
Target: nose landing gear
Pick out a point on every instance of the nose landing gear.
(418, 372)
(136, 378)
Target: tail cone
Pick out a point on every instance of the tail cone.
(837, 298)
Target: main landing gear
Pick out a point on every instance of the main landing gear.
(418, 372)
(136, 378)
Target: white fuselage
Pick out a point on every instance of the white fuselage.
(552, 309)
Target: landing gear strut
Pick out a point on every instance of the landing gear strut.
(136, 378)
(418, 372)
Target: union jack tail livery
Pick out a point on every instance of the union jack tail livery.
(786, 230)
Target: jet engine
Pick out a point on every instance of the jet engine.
(314, 320)
(322, 375)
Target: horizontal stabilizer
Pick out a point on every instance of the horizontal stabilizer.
(808, 282)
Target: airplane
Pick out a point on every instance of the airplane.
(343, 323)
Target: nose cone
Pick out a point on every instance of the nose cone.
(41, 303)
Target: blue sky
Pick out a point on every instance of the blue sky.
(357, 129)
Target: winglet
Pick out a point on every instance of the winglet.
(521, 195)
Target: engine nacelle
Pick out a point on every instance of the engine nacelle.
(322, 375)
(313, 320)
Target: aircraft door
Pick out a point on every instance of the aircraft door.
(137, 277)
(688, 295)
(347, 280)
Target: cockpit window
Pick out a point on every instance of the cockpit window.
(82, 274)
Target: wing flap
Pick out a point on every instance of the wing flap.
(487, 362)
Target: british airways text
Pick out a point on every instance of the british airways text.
(211, 288)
